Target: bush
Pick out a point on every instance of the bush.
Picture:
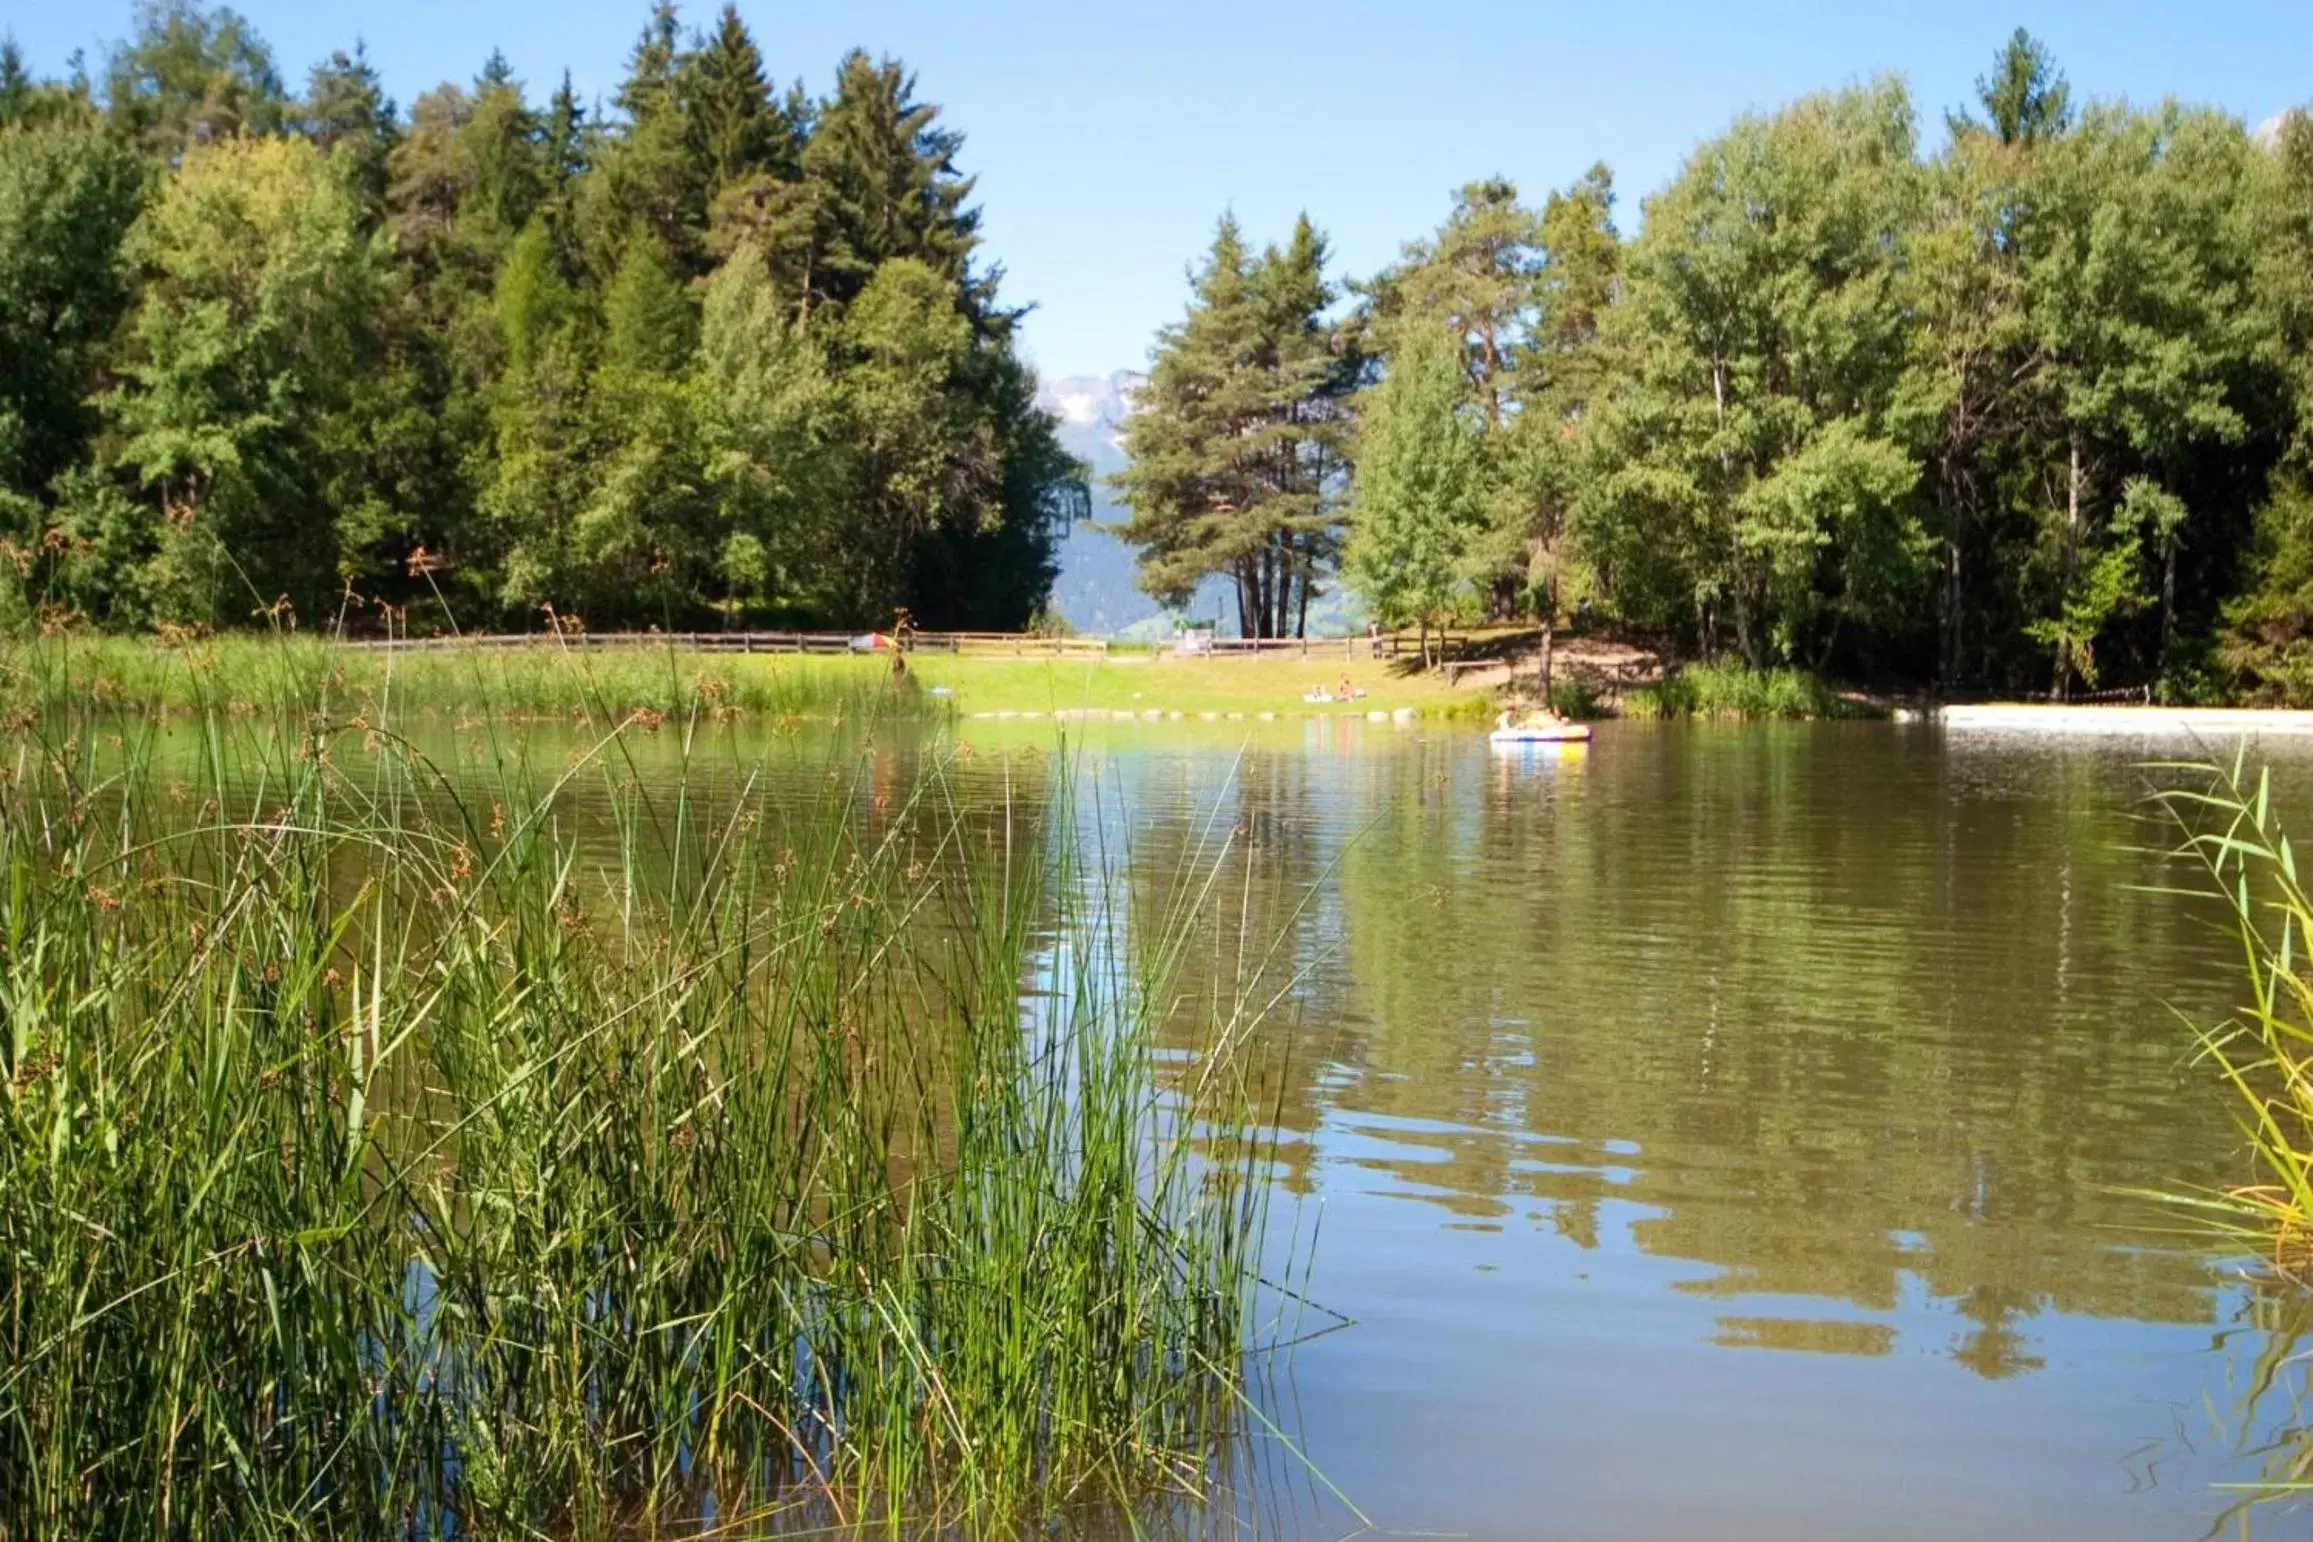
(1734, 691)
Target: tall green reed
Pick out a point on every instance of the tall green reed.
(236, 672)
(2263, 1051)
(374, 1160)
(1734, 691)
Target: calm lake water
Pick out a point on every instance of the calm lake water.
(1723, 1133)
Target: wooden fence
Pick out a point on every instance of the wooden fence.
(997, 643)
(983, 644)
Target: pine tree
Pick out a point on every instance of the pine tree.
(1238, 441)
(1528, 543)
(1480, 277)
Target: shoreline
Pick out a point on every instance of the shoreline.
(2054, 718)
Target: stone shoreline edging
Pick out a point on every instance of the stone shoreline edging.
(2209, 722)
(1176, 715)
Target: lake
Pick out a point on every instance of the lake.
(1726, 1132)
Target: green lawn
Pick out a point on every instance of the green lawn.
(1191, 686)
(236, 673)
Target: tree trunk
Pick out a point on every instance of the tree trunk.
(1948, 666)
(1746, 640)
(2061, 690)
(1425, 640)
(1549, 625)
(2167, 603)
(1953, 593)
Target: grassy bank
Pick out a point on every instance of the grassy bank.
(371, 1164)
(239, 674)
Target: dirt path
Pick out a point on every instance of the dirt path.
(1605, 665)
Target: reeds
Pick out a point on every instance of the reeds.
(244, 675)
(2264, 1051)
(1733, 691)
(372, 1162)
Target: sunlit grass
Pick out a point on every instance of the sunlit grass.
(235, 674)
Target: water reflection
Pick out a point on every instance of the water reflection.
(1855, 1039)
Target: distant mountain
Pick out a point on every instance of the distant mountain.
(1095, 592)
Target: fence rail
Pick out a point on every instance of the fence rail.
(986, 644)
(1019, 644)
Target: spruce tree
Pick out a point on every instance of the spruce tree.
(737, 128)
(891, 184)
(500, 144)
(647, 321)
(2025, 99)
(648, 170)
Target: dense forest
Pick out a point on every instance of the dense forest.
(2033, 411)
(715, 352)
(2029, 408)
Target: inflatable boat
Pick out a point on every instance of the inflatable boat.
(1543, 733)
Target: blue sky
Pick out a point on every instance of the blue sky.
(1108, 137)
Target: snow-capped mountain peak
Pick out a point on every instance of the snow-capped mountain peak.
(1086, 400)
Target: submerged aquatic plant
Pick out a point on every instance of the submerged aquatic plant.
(375, 1162)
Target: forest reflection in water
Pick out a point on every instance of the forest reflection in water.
(1846, 1043)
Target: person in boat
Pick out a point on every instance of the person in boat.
(1535, 717)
